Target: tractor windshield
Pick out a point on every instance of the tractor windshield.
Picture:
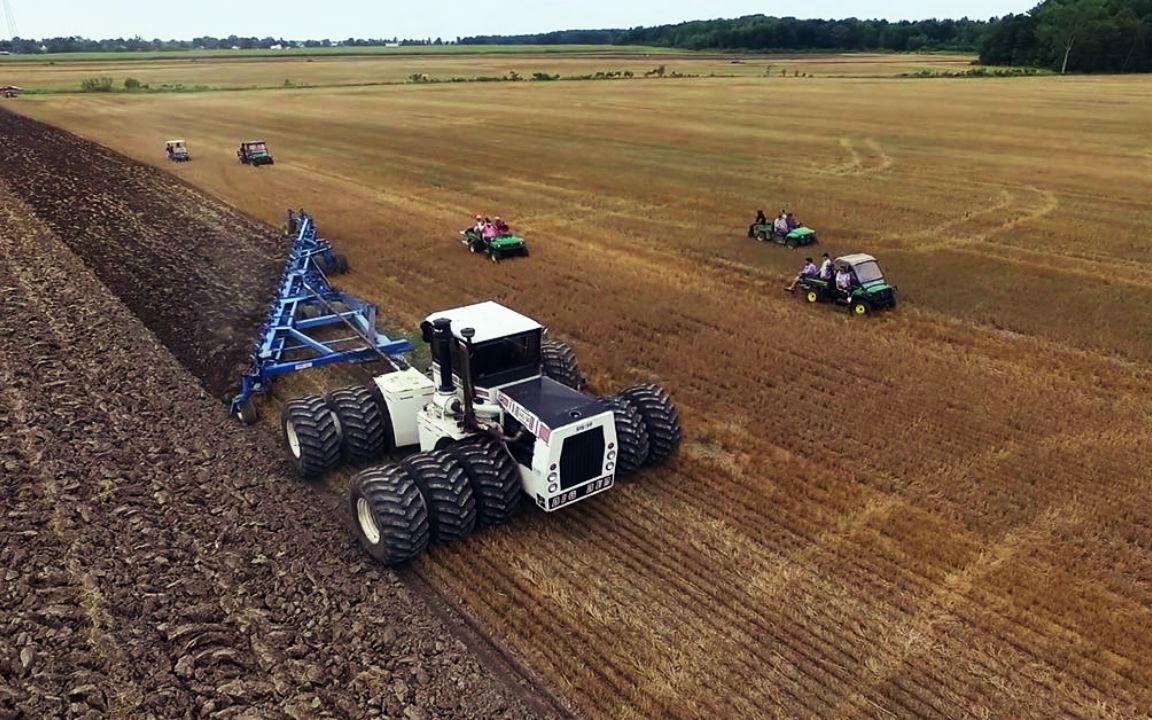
(868, 272)
(505, 360)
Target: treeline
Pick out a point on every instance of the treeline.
(1074, 36)
(137, 44)
(762, 33)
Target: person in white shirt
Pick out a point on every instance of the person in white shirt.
(844, 280)
(826, 268)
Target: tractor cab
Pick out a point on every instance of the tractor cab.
(868, 290)
(504, 349)
(177, 150)
(254, 152)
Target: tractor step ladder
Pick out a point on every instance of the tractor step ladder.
(300, 331)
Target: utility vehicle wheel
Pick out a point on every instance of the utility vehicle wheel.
(811, 296)
(494, 256)
(561, 365)
(524, 252)
(660, 417)
(312, 432)
(632, 444)
(494, 478)
(246, 412)
(447, 493)
(391, 519)
(859, 309)
(361, 426)
(471, 247)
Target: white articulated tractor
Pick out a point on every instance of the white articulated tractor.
(499, 415)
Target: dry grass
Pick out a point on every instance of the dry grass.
(247, 71)
(940, 512)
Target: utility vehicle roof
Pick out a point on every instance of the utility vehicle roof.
(490, 320)
(855, 259)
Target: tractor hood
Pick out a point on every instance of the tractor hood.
(543, 406)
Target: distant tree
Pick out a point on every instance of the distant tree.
(1062, 22)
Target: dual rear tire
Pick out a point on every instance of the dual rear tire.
(648, 427)
(432, 497)
(348, 424)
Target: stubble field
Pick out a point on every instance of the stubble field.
(938, 512)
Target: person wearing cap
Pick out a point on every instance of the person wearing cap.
(809, 270)
(501, 227)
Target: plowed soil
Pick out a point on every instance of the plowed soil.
(156, 561)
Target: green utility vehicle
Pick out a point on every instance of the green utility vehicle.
(795, 238)
(868, 290)
(254, 152)
(496, 248)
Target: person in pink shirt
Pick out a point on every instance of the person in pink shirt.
(490, 232)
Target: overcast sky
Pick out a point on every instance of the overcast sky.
(338, 19)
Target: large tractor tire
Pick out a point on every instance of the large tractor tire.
(312, 433)
(389, 513)
(560, 364)
(661, 418)
(447, 493)
(632, 443)
(361, 424)
(494, 478)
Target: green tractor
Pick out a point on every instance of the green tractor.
(505, 244)
(867, 291)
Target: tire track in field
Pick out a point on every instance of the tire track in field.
(874, 160)
(1017, 211)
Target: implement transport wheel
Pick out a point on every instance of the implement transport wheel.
(660, 416)
(391, 519)
(361, 424)
(811, 296)
(494, 478)
(312, 433)
(447, 493)
(631, 436)
(340, 263)
(561, 365)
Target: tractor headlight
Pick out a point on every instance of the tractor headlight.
(553, 488)
(611, 454)
(609, 466)
(553, 477)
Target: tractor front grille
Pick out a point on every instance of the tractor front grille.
(582, 458)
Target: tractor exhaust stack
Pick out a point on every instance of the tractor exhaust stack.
(442, 349)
